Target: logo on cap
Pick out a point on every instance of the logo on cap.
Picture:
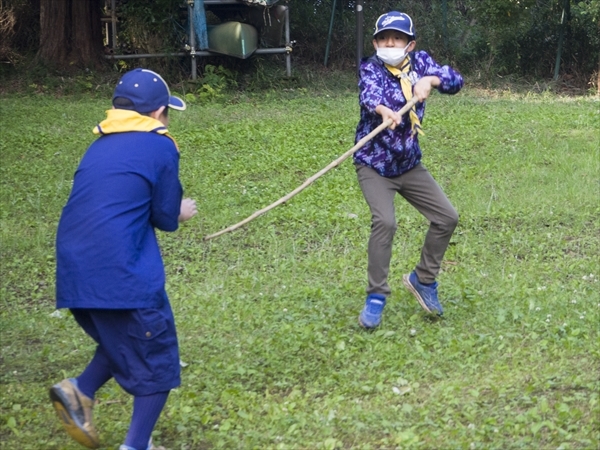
(390, 19)
(395, 20)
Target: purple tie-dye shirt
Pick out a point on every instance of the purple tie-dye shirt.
(394, 152)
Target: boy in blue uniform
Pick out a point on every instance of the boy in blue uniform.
(391, 162)
(110, 272)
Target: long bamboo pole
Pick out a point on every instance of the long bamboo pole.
(319, 174)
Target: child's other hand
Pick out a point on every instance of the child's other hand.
(188, 209)
(423, 87)
(387, 113)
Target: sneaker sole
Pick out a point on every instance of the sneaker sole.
(72, 428)
(363, 325)
(411, 288)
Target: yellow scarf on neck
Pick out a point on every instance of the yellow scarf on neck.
(406, 85)
(123, 120)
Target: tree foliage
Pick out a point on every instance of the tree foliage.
(500, 37)
(493, 36)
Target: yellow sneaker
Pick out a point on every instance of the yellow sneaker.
(74, 410)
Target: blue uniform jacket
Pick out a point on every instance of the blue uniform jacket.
(394, 152)
(107, 254)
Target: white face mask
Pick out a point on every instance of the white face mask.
(391, 55)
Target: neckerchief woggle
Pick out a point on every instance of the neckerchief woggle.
(123, 120)
(406, 85)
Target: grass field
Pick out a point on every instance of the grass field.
(267, 315)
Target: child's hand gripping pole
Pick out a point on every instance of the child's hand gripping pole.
(319, 174)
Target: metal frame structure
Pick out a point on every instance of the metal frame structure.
(192, 52)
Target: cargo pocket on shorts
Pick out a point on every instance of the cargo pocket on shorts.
(155, 343)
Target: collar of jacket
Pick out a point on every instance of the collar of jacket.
(123, 121)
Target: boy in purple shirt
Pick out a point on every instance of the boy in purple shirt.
(391, 162)
(109, 271)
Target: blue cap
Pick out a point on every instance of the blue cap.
(147, 91)
(395, 20)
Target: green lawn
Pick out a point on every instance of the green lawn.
(267, 315)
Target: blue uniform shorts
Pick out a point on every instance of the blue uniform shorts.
(139, 346)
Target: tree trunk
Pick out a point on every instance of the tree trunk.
(86, 38)
(54, 32)
(70, 33)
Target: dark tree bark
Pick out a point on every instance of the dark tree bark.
(86, 32)
(53, 32)
(71, 33)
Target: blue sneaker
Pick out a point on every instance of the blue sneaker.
(370, 316)
(426, 295)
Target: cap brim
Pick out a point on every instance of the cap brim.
(176, 103)
(392, 28)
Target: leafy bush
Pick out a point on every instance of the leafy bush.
(214, 82)
(478, 36)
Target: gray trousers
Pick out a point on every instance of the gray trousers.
(419, 188)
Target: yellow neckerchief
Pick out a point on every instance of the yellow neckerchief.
(406, 85)
(123, 120)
